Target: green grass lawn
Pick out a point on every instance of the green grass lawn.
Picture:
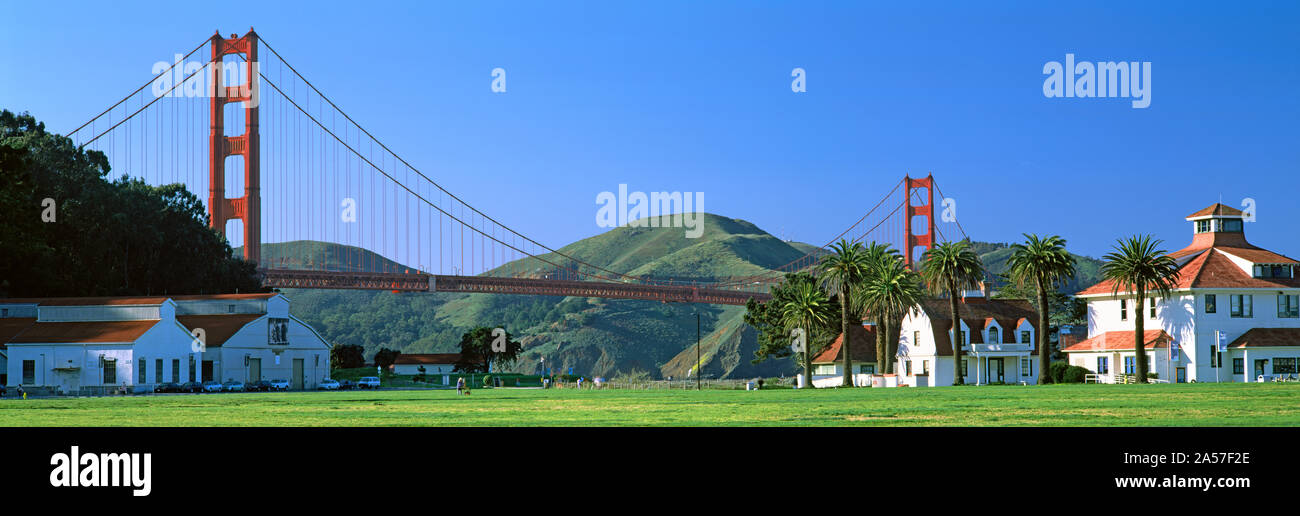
(1056, 405)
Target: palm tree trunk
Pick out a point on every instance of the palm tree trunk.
(881, 366)
(891, 342)
(846, 348)
(957, 378)
(807, 365)
(1044, 346)
(1139, 335)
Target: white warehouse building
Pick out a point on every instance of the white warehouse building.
(1234, 315)
(92, 345)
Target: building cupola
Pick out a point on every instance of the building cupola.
(1218, 225)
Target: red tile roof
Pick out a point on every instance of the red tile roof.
(1212, 268)
(1217, 209)
(202, 297)
(1267, 337)
(976, 313)
(13, 326)
(427, 358)
(1121, 340)
(217, 329)
(864, 347)
(87, 301)
(76, 332)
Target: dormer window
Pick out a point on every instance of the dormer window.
(1202, 226)
(230, 309)
(1231, 226)
(994, 338)
(1264, 270)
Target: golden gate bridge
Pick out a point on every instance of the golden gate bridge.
(319, 163)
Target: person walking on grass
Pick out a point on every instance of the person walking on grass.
(460, 385)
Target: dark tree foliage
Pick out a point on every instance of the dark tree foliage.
(773, 337)
(347, 356)
(477, 355)
(121, 237)
(385, 357)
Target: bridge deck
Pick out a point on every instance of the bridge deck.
(420, 282)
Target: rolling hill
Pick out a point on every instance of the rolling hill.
(597, 337)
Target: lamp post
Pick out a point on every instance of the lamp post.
(698, 365)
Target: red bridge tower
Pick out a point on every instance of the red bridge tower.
(248, 207)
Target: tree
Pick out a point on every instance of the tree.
(385, 357)
(890, 292)
(807, 308)
(952, 268)
(1139, 266)
(123, 237)
(841, 271)
(347, 356)
(478, 356)
(767, 321)
(1045, 263)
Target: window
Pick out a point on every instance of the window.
(4, 312)
(1242, 305)
(908, 364)
(1026, 337)
(1026, 366)
(863, 369)
(925, 367)
(110, 371)
(826, 369)
(1231, 225)
(1130, 365)
(1288, 306)
(994, 337)
(1215, 355)
(965, 368)
(191, 369)
(230, 309)
(1153, 308)
(1238, 366)
(144, 374)
(1211, 303)
(1123, 309)
(29, 372)
(1284, 365)
(176, 370)
(1203, 226)
(916, 338)
(1103, 365)
(158, 372)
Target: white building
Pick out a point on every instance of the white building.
(93, 345)
(998, 339)
(1227, 289)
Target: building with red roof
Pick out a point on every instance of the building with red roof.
(98, 344)
(1233, 316)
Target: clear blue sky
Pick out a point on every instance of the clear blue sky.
(695, 96)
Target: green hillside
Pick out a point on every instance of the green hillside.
(597, 337)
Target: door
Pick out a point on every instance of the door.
(254, 369)
(207, 371)
(1259, 370)
(996, 371)
(297, 374)
(1182, 375)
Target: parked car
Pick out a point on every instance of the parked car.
(347, 385)
(278, 384)
(328, 385)
(232, 386)
(368, 382)
(190, 387)
(258, 386)
(212, 386)
(167, 387)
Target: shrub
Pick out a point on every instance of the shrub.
(1075, 374)
(1056, 372)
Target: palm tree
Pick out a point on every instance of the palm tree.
(841, 272)
(879, 255)
(1138, 265)
(1045, 263)
(952, 268)
(889, 292)
(808, 309)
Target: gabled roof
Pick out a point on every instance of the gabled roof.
(1216, 209)
(1120, 341)
(863, 348)
(231, 297)
(1212, 268)
(219, 328)
(976, 312)
(10, 327)
(1267, 337)
(77, 332)
(427, 359)
(86, 301)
